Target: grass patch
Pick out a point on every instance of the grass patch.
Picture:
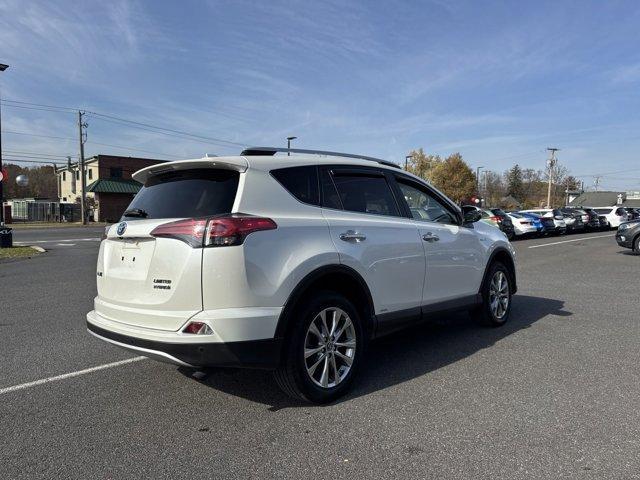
(16, 252)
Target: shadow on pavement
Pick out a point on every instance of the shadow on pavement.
(399, 357)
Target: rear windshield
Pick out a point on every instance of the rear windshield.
(188, 193)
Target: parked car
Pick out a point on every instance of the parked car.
(632, 213)
(270, 261)
(628, 235)
(560, 226)
(613, 215)
(487, 216)
(524, 226)
(573, 219)
(504, 222)
(542, 227)
(594, 222)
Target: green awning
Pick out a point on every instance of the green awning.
(114, 185)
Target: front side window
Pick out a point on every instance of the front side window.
(365, 194)
(425, 207)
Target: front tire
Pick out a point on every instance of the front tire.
(323, 350)
(636, 245)
(496, 297)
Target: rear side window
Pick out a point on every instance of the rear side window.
(185, 194)
(365, 194)
(301, 182)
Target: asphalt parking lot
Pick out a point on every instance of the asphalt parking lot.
(554, 394)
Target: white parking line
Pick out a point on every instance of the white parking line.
(95, 239)
(572, 240)
(65, 244)
(64, 376)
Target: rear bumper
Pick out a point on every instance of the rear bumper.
(190, 350)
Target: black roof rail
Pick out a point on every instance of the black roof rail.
(269, 151)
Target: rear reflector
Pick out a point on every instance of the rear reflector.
(214, 232)
(197, 328)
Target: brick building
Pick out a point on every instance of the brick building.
(109, 185)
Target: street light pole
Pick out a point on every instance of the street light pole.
(478, 183)
(289, 144)
(3, 67)
(406, 162)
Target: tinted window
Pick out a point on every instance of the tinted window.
(115, 172)
(602, 210)
(330, 198)
(187, 193)
(301, 182)
(365, 194)
(423, 206)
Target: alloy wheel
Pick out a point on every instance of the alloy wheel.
(329, 347)
(499, 295)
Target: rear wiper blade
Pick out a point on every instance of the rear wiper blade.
(136, 212)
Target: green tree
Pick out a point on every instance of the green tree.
(421, 164)
(454, 178)
(514, 181)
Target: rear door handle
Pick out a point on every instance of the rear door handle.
(352, 236)
(430, 237)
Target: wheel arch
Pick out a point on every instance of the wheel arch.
(338, 278)
(501, 254)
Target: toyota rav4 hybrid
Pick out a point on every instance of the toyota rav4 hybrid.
(290, 263)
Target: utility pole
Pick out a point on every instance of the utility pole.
(551, 164)
(83, 184)
(3, 67)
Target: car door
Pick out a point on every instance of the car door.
(373, 237)
(455, 253)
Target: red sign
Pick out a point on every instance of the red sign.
(4, 175)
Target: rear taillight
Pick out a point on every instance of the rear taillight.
(226, 231)
(190, 231)
(213, 232)
(495, 219)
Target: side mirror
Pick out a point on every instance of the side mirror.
(472, 216)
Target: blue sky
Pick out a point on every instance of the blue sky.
(496, 81)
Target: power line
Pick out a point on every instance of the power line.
(134, 149)
(167, 131)
(6, 101)
(124, 121)
(22, 160)
(37, 135)
(21, 153)
(95, 143)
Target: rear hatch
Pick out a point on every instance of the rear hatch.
(154, 280)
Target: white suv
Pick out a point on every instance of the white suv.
(613, 215)
(290, 263)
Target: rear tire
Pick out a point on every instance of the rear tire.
(318, 366)
(496, 297)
